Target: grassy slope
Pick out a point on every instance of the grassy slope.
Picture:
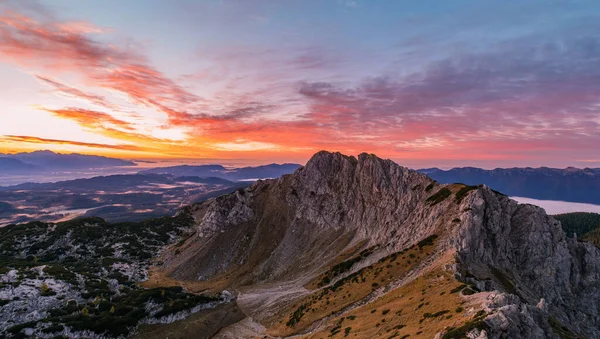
(421, 308)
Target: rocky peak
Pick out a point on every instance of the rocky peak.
(292, 228)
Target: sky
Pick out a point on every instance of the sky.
(425, 83)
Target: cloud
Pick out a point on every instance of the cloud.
(67, 47)
(526, 90)
(89, 118)
(76, 93)
(45, 141)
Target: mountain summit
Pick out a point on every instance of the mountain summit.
(367, 248)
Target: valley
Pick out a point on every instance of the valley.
(126, 197)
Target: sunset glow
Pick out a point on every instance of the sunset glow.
(276, 81)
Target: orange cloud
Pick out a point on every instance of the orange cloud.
(36, 140)
(455, 109)
(76, 93)
(88, 118)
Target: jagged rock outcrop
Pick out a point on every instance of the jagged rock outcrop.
(521, 250)
(292, 227)
(278, 227)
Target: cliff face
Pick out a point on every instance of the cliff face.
(292, 229)
(285, 226)
(520, 250)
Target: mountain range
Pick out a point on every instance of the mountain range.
(343, 247)
(43, 161)
(569, 184)
(235, 174)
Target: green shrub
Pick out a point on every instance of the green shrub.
(463, 192)
(347, 331)
(427, 241)
(439, 196)
(296, 316)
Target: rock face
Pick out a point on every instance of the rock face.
(521, 250)
(276, 228)
(290, 228)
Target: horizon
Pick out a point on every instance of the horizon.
(467, 84)
(240, 163)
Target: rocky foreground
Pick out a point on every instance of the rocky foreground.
(344, 247)
(79, 279)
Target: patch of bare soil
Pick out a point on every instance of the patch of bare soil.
(202, 325)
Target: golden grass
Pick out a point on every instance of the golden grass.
(420, 309)
(357, 286)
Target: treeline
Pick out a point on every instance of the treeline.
(585, 225)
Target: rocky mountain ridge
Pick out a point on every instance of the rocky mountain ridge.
(289, 231)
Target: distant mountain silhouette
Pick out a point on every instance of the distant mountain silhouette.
(244, 173)
(569, 184)
(42, 162)
(14, 166)
(48, 160)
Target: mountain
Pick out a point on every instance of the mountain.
(40, 161)
(343, 247)
(366, 248)
(244, 173)
(14, 166)
(570, 184)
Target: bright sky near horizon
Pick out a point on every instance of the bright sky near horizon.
(426, 83)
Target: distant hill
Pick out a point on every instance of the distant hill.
(48, 160)
(14, 166)
(570, 184)
(244, 173)
(585, 225)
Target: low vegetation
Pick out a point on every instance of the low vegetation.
(439, 196)
(343, 267)
(461, 332)
(585, 225)
(332, 297)
(561, 330)
(463, 192)
(86, 272)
